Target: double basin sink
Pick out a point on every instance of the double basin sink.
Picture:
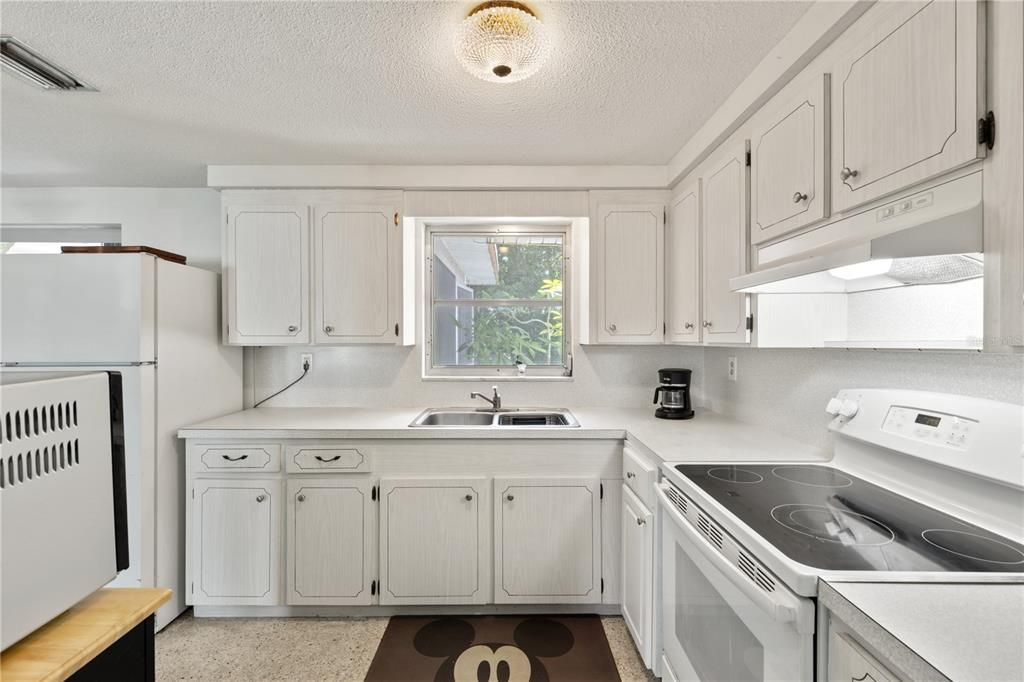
(467, 417)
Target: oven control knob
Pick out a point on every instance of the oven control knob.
(848, 409)
(833, 406)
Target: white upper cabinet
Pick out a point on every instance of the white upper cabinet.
(789, 166)
(906, 100)
(682, 266)
(356, 251)
(629, 256)
(266, 275)
(725, 245)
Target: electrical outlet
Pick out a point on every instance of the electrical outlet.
(732, 369)
(307, 361)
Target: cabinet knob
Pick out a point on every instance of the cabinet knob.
(630, 474)
(612, 327)
(328, 329)
(707, 324)
(798, 197)
(847, 173)
(260, 498)
(510, 497)
(301, 498)
(469, 498)
(688, 325)
(640, 522)
(292, 328)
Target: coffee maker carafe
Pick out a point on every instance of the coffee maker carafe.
(674, 390)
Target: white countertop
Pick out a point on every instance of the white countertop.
(706, 437)
(965, 632)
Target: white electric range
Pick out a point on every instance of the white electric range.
(922, 487)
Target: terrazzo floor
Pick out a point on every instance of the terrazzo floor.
(306, 649)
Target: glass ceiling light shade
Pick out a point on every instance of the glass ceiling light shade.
(502, 42)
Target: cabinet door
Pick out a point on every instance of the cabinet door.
(435, 540)
(630, 256)
(849, 662)
(356, 251)
(331, 541)
(906, 100)
(235, 530)
(789, 166)
(638, 571)
(725, 247)
(547, 545)
(682, 266)
(266, 275)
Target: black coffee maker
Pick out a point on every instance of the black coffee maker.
(674, 389)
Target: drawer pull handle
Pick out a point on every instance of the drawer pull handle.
(328, 459)
(510, 497)
(292, 328)
(260, 498)
(301, 498)
(847, 173)
(630, 474)
(798, 197)
(235, 459)
(640, 522)
(469, 498)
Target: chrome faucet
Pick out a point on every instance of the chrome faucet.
(495, 400)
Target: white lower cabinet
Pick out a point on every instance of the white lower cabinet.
(547, 541)
(235, 540)
(330, 530)
(638, 572)
(850, 662)
(435, 539)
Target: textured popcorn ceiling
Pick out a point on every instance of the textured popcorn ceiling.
(183, 85)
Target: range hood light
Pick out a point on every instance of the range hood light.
(870, 268)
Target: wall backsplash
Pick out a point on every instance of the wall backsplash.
(787, 390)
(364, 376)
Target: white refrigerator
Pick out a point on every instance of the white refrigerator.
(158, 324)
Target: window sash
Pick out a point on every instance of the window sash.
(434, 369)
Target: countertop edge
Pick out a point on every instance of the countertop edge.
(877, 635)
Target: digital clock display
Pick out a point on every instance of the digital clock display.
(927, 420)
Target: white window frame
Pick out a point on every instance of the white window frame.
(504, 372)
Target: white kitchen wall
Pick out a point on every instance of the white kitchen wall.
(786, 390)
(185, 221)
(361, 376)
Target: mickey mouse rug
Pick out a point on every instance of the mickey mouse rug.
(494, 649)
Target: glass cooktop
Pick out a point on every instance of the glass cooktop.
(828, 519)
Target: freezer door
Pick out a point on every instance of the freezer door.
(77, 308)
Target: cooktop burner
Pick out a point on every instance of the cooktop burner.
(828, 519)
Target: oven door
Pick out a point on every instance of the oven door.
(717, 623)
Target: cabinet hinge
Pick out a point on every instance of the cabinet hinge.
(373, 587)
(373, 493)
(664, 327)
(192, 589)
(987, 130)
(602, 585)
(750, 323)
(396, 329)
(664, 216)
(748, 158)
(396, 217)
(601, 491)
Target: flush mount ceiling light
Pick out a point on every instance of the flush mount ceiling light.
(502, 42)
(26, 63)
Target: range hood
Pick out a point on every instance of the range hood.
(932, 236)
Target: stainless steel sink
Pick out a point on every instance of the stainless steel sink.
(450, 417)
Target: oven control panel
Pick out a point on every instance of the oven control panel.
(930, 427)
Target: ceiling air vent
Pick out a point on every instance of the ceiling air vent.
(23, 61)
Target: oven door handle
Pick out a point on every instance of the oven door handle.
(773, 603)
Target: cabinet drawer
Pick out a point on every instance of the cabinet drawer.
(335, 458)
(640, 475)
(221, 457)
